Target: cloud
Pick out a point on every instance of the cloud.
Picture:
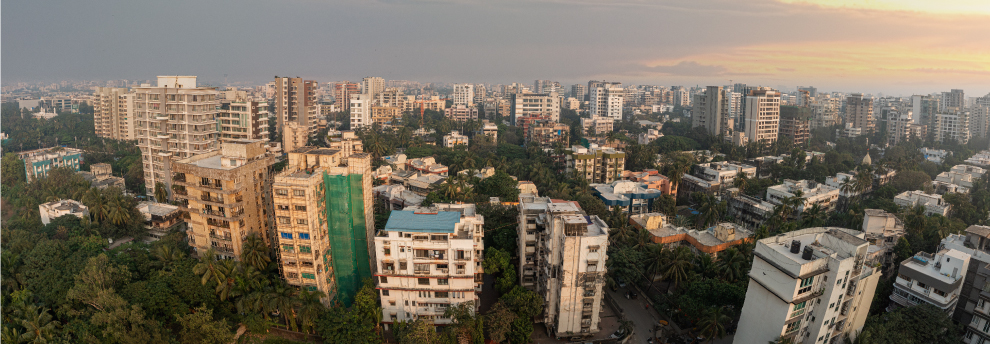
(965, 7)
(688, 68)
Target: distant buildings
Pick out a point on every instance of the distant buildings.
(548, 134)
(712, 112)
(809, 284)
(295, 110)
(454, 139)
(38, 162)
(429, 259)
(113, 113)
(52, 210)
(934, 204)
(811, 191)
(597, 125)
(605, 99)
(795, 124)
(463, 95)
(596, 165)
(934, 155)
(461, 113)
(652, 179)
(762, 115)
(562, 254)
(713, 177)
(539, 105)
(241, 119)
(712, 240)
(634, 197)
(859, 112)
(980, 159)
(848, 131)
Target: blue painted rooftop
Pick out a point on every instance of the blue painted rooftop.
(408, 221)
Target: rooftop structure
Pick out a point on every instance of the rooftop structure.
(634, 197)
(653, 180)
(161, 219)
(397, 196)
(713, 177)
(813, 193)
(711, 240)
(100, 176)
(52, 210)
(882, 230)
(749, 211)
(934, 155)
(454, 139)
(427, 165)
(953, 181)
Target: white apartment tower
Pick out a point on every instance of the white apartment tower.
(811, 286)
(173, 120)
(296, 110)
(360, 105)
(463, 95)
(372, 86)
(562, 258)
(762, 113)
(112, 116)
(605, 100)
(429, 258)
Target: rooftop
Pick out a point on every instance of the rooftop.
(154, 208)
(409, 221)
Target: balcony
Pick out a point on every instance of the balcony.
(460, 271)
(224, 238)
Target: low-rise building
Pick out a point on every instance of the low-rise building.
(52, 210)
(489, 129)
(840, 181)
(653, 180)
(713, 177)
(810, 285)
(38, 162)
(397, 196)
(849, 131)
(548, 134)
(935, 279)
(811, 191)
(161, 219)
(952, 181)
(750, 211)
(882, 230)
(429, 259)
(633, 197)
(461, 113)
(712, 240)
(648, 136)
(426, 165)
(423, 183)
(455, 139)
(975, 172)
(934, 204)
(981, 159)
(934, 155)
(596, 165)
(100, 176)
(597, 125)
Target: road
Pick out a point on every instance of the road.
(643, 318)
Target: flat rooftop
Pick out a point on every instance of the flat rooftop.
(409, 221)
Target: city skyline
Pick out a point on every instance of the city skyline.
(882, 47)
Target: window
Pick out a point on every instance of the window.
(831, 305)
(300, 208)
(387, 250)
(402, 266)
(592, 249)
(286, 235)
(424, 281)
(942, 293)
(800, 305)
(442, 281)
(421, 268)
(304, 236)
(307, 275)
(291, 275)
(980, 304)
(440, 295)
(282, 192)
(283, 207)
(288, 248)
(385, 293)
(806, 285)
(383, 279)
(300, 221)
(299, 193)
(305, 249)
(922, 285)
(986, 326)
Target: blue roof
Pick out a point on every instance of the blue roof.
(408, 221)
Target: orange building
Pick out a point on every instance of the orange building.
(652, 180)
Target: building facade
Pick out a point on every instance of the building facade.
(762, 112)
(112, 115)
(596, 165)
(241, 119)
(38, 162)
(295, 103)
(859, 112)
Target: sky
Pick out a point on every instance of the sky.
(895, 47)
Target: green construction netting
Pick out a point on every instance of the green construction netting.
(348, 234)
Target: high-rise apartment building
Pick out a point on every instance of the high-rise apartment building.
(596, 165)
(762, 113)
(795, 123)
(954, 100)
(325, 221)
(544, 106)
(579, 91)
(429, 260)
(173, 120)
(242, 119)
(360, 105)
(859, 112)
(342, 92)
(480, 93)
(605, 100)
(562, 253)
(812, 285)
(463, 95)
(112, 117)
(296, 107)
(711, 111)
(952, 127)
(372, 86)
(227, 194)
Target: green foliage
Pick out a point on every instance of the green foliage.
(919, 324)
(499, 185)
(200, 327)
(671, 143)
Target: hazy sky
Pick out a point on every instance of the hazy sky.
(892, 46)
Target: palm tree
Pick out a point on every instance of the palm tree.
(643, 240)
(166, 255)
(310, 308)
(656, 259)
(678, 265)
(681, 221)
(732, 265)
(712, 323)
(38, 325)
(282, 300)
(814, 216)
(97, 204)
(741, 181)
(620, 234)
(710, 210)
(254, 252)
(706, 265)
(161, 193)
(209, 267)
(118, 212)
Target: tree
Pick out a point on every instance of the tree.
(678, 265)
(38, 325)
(918, 324)
(255, 253)
(732, 265)
(310, 308)
(712, 323)
(416, 332)
(161, 192)
(499, 321)
(199, 327)
(466, 325)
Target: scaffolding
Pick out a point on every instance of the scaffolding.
(347, 231)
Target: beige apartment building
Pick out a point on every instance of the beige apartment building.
(295, 107)
(762, 114)
(596, 165)
(859, 112)
(173, 120)
(111, 113)
(325, 221)
(244, 120)
(227, 194)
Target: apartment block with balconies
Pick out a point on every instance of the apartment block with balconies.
(227, 194)
(173, 120)
(935, 279)
(811, 286)
(596, 165)
(934, 204)
(429, 259)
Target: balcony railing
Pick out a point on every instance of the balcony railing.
(211, 199)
